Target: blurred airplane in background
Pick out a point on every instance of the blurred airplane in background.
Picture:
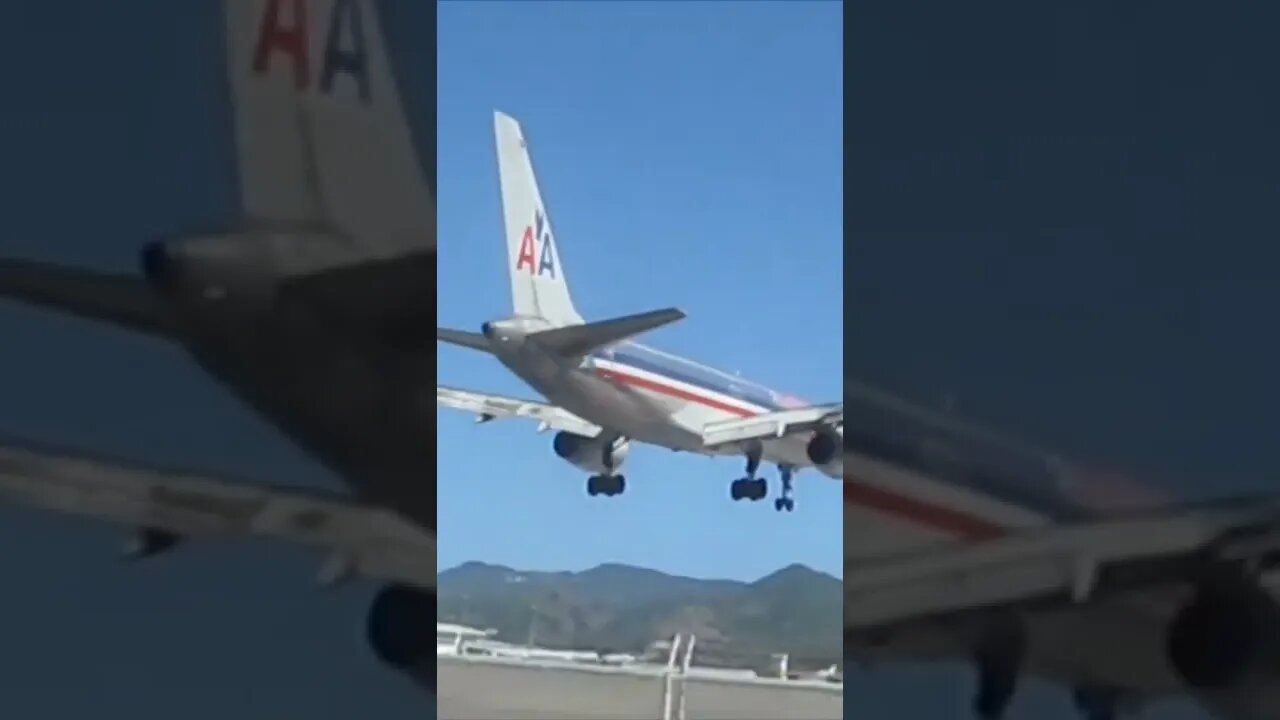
(309, 305)
(963, 545)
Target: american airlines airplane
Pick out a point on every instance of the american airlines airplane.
(309, 304)
(964, 545)
(606, 390)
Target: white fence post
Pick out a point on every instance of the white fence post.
(684, 672)
(668, 679)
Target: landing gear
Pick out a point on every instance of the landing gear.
(607, 485)
(999, 657)
(610, 483)
(1097, 703)
(784, 500)
(757, 488)
(750, 487)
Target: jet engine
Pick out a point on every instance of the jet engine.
(1224, 633)
(244, 268)
(826, 451)
(400, 627)
(148, 542)
(221, 269)
(595, 455)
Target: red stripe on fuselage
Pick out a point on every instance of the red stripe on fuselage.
(952, 522)
(670, 391)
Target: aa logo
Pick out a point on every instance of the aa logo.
(536, 243)
(285, 31)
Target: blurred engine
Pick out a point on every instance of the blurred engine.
(1224, 633)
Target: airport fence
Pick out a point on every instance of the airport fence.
(488, 687)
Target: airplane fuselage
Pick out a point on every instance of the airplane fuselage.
(647, 395)
(356, 404)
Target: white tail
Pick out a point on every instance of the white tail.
(321, 136)
(538, 287)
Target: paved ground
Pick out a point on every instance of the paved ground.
(470, 690)
(718, 700)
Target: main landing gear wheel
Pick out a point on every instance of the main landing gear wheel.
(748, 489)
(607, 485)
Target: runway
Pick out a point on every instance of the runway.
(489, 689)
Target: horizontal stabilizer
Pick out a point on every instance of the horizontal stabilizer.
(119, 299)
(462, 338)
(578, 340)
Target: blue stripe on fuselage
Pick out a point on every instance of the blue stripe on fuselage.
(939, 449)
(642, 358)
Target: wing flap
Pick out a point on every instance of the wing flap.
(365, 540)
(772, 425)
(488, 407)
(1069, 563)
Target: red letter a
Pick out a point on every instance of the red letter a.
(526, 250)
(292, 41)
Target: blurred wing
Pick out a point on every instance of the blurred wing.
(165, 507)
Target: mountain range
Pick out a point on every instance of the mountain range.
(621, 608)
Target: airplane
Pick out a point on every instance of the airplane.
(963, 545)
(309, 304)
(605, 389)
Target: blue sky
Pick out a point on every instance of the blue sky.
(689, 154)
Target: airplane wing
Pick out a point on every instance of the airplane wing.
(166, 507)
(488, 407)
(1070, 563)
(1126, 578)
(773, 425)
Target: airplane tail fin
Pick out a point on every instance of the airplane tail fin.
(538, 287)
(321, 135)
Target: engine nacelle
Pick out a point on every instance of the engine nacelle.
(149, 542)
(593, 455)
(1224, 633)
(235, 269)
(242, 268)
(399, 627)
(826, 451)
